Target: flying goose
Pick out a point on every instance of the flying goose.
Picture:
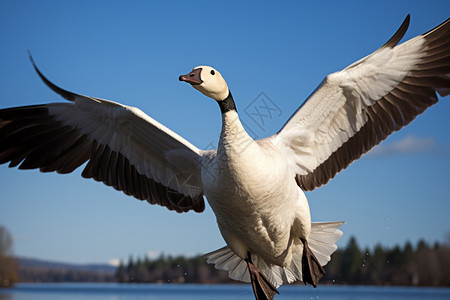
(255, 188)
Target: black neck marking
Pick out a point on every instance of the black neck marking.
(227, 104)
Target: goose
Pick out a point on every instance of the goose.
(254, 187)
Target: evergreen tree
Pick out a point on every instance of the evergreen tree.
(352, 262)
(120, 274)
(8, 265)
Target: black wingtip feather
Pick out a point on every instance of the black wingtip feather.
(65, 94)
(398, 35)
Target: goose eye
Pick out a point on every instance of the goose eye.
(212, 72)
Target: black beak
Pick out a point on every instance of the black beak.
(193, 77)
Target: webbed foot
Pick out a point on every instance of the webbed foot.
(262, 287)
(311, 268)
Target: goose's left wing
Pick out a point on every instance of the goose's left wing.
(124, 148)
(355, 109)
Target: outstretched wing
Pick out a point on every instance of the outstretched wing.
(355, 109)
(124, 147)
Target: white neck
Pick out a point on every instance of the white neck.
(234, 140)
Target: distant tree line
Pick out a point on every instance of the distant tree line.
(423, 265)
(420, 266)
(169, 269)
(39, 274)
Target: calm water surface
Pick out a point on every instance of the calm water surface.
(112, 291)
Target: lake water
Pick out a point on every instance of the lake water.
(113, 291)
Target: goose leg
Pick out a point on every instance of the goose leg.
(311, 268)
(262, 287)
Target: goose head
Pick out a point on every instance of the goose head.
(208, 81)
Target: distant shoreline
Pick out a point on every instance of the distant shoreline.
(420, 266)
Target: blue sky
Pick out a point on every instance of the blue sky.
(134, 51)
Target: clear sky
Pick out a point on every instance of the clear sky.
(134, 51)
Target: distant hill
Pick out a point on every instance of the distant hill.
(36, 270)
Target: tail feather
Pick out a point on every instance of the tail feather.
(322, 241)
(225, 259)
(276, 274)
(240, 272)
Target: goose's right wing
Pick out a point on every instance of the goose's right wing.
(124, 148)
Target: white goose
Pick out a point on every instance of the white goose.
(254, 187)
